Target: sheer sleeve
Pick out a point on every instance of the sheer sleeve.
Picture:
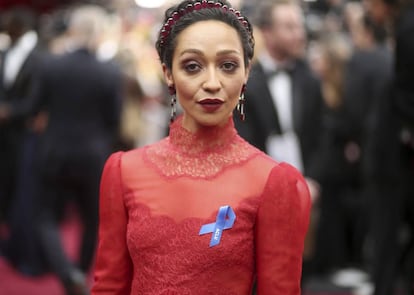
(281, 225)
(113, 268)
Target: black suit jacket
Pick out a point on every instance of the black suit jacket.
(83, 98)
(404, 66)
(22, 86)
(366, 79)
(261, 115)
(12, 132)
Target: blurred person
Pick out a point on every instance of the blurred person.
(196, 211)
(145, 114)
(391, 166)
(368, 78)
(398, 15)
(283, 97)
(330, 241)
(53, 30)
(132, 126)
(353, 80)
(19, 66)
(83, 97)
(352, 14)
(367, 36)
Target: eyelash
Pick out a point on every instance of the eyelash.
(233, 65)
(191, 67)
(194, 67)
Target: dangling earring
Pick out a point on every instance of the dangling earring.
(240, 105)
(173, 103)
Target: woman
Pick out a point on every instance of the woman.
(201, 210)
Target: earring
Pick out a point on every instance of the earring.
(173, 103)
(240, 105)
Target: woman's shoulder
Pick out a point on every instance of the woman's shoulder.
(121, 157)
(285, 173)
(284, 167)
(262, 159)
(287, 184)
(138, 151)
(274, 174)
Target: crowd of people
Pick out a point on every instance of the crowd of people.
(293, 122)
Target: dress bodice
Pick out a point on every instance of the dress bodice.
(154, 201)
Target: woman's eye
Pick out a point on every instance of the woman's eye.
(229, 66)
(192, 67)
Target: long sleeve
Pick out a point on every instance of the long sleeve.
(281, 225)
(113, 269)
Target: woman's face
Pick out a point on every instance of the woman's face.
(208, 73)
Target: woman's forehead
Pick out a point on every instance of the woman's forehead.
(211, 33)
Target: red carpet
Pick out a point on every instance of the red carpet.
(14, 283)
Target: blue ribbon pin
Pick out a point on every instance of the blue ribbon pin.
(225, 220)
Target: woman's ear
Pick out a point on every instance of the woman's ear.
(167, 75)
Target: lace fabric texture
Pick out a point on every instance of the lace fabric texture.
(200, 155)
(154, 200)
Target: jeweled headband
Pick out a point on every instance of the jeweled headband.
(198, 5)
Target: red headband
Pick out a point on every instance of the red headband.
(176, 15)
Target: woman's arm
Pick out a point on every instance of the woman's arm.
(113, 268)
(281, 226)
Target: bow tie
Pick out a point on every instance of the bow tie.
(287, 69)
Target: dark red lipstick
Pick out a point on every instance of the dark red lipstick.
(211, 104)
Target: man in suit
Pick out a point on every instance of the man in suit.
(82, 97)
(283, 98)
(392, 157)
(18, 67)
(22, 62)
(353, 81)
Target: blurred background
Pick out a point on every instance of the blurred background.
(337, 30)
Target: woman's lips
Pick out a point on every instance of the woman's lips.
(211, 104)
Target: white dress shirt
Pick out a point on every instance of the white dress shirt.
(284, 147)
(17, 55)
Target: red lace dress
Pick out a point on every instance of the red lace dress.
(154, 201)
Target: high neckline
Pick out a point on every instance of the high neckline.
(203, 154)
(203, 140)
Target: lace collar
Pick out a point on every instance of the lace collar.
(207, 140)
(202, 155)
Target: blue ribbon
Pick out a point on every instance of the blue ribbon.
(225, 220)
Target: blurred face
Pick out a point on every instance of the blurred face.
(378, 10)
(208, 73)
(286, 36)
(14, 30)
(361, 37)
(316, 60)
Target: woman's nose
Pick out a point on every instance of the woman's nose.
(212, 82)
